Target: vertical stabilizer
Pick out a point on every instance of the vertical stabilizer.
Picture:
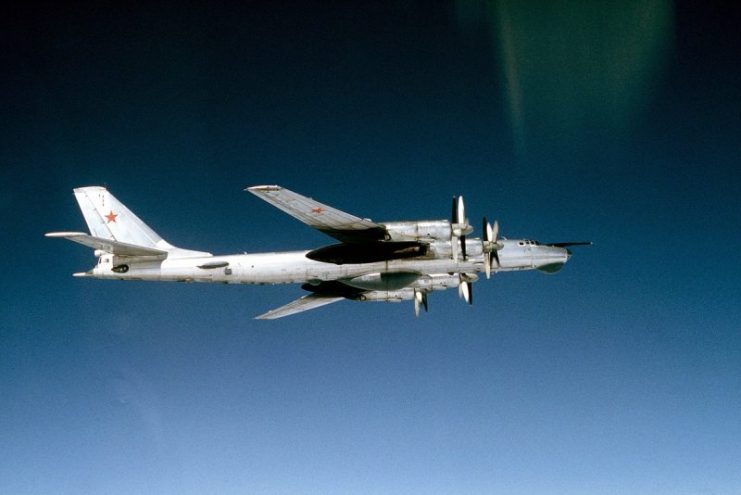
(108, 218)
(115, 229)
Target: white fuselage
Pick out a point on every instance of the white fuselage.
(294, 267)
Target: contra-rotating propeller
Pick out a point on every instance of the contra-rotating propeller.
(459, 227)
(490, 245)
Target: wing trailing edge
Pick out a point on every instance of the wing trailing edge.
(305, 303)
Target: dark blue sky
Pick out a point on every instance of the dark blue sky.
(620, 374)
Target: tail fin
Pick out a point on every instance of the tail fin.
(108, 218)
(115, 229)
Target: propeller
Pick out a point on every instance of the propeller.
(420, 300)
(459, 227)
(490, 245)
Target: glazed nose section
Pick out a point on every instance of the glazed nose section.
(560, 255)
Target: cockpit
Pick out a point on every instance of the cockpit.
(527, 242)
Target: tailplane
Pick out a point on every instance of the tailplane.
(116, 229)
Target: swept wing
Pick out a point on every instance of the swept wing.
(336, 223)
(299, 305)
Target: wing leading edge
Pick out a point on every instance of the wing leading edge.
(333, 222)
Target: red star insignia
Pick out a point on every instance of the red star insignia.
(111, 217)
(317, 210)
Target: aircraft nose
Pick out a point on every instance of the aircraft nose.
(567, 254)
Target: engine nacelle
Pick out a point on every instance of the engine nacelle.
(423, 230)
(382, 281)
(386, 296)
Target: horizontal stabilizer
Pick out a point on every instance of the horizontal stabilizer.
(110, 246)
(303, 304)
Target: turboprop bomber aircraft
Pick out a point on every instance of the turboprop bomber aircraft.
(389, 261)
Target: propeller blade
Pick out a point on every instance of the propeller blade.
(465, 289)
(490, 245)
(468, 292)
(485, 243)
(420, 300)
(495, 240)
(463, 221)
(487, 230)
(453, 221)
(458, 227)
